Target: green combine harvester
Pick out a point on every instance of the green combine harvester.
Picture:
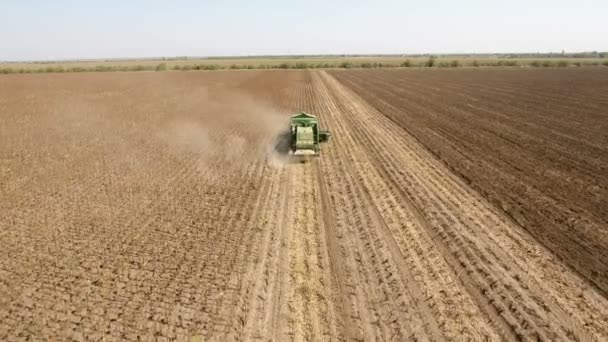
(306, 135)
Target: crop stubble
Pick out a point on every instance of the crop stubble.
(154, 205)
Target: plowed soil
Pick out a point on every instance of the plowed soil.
(158, 206)
(533, 142)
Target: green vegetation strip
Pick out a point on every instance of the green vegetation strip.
(431, 62)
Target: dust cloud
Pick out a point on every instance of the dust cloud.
(228, 127)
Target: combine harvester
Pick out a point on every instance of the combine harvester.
(306, 135)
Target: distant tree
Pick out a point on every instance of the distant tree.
(406, 64)
(454, 64)
(161, 67)
(430, 62)
(103, 68)
(346, 65)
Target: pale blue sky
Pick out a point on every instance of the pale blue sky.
(63, 29)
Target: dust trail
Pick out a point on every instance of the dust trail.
(230, 126)
(189, 137)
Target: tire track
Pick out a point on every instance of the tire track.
(336, 263)
(292, 296)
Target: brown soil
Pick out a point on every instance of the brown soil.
(533, 142)
(153, 206)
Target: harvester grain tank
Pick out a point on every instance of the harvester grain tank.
(306, 134)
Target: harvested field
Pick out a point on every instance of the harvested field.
(155, 206)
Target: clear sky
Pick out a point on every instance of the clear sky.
(62, 29)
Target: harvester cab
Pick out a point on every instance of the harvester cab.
(306, 134)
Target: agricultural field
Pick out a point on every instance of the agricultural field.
(534, 143)
(449, 204)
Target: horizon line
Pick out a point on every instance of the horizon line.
(347, 55)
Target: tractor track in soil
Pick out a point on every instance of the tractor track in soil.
(376, 239)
